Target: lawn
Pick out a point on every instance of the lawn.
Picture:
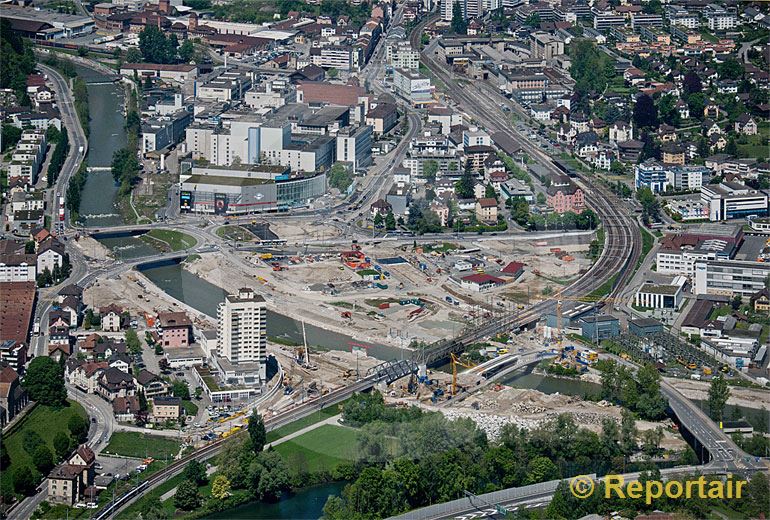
(322, 449)
(236, 233)
(190, 408)
(170, 239)
(325, 413)
(44, 420)
(141, 445)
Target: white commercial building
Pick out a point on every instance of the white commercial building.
(413, 87)
(661, 296)
(730, 200)
(730, 278)
(354, 146)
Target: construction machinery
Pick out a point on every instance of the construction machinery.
(456, 360)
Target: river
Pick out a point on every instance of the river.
(107, 134)
(201, 295)
(306, 503)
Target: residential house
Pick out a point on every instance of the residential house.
(176, 329)
(115, 383)
(125, 408)
(562, 199)
(746, 125)
(50, 255)
(760, 301)
(486, 210)
(166, 409)
(150, 384)
(68, 482)
(86, 376)
(13, 397)
(111, 317)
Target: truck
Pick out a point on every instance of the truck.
(81, 149)
(61, 209)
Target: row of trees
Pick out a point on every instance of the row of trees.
(62, 141)
(75, 189)
(437, 460)
(80, 93)
(125, 169)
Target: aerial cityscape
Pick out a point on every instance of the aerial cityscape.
(362, 259)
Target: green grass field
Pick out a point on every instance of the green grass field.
(322, 449)
(173, 240)
(237, 233)
(47, 422)
(325, 413)
(140, 445)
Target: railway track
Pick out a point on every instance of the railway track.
(623, 242)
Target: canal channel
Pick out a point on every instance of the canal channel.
(106, 135)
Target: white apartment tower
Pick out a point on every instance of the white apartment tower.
(242, 330)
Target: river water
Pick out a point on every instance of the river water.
(107, 134)
(305, 504)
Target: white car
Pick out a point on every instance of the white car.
(92, 505)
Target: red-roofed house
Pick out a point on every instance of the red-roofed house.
(513, 269)
(480, 282)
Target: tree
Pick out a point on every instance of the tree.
(133, 344)
(489, 191)
(627, 432)
(133, 55)
(61, 444)
(180, 389)
(645, 112)
(155, 46)
(651, 440)
(44, 382)
(458, 24)
(187, 497)
(23, 481)
(520, 211)
(653, 7)
(11, 136)
(378, 220)
(78, 428)
(591, 69)
(719, 393)
(541, 469)
(464, 185)
(153, 510)
(273, 477)
(31, 441)
(732, 147)
(257, 432)
(736, 302)
(533, 20)
(340, 177)
(730, 69)
(220, 487)
(390, 221)
(696, 103)
(332, 73)
(43, 459)
(691, 83)
(186, 51)
(195, 472)
(429, 170)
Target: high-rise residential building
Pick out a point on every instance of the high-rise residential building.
(242, 329)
